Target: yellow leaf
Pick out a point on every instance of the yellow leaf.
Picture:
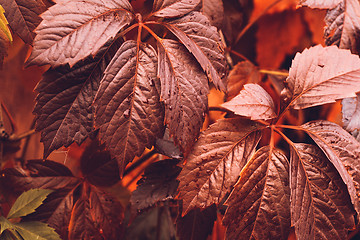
(4, 24)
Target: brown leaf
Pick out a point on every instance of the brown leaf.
(320, 205)
(243, 72)
(184, 90)
(254, 102)
(173, 8)
(342, 150)
(23, 16)
(72, 30)
(215, 162)
(320, 75)
(261, 5)
(64, 111)
(3, 50)
(342, 20)
(214, 10)
(203, 41)
(259, 205)
(197, 224)
(351, 115)
(127, 105)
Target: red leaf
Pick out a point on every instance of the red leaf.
(254, 102)
(215, 162)
(320, 205)
(203, 41)
(23, 16)
(173, 8)
(214, 10)
(259, 205)
(351, 115)
(128, 110)
(72, 30)
(184, 90)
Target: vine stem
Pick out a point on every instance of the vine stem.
(272, 72)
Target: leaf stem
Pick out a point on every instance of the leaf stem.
(140, 161)
(288, 140)
(274, 72)
(228, 49)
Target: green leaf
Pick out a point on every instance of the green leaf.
(5, 224)
(4, 24)
(36, 230)
(28, 202)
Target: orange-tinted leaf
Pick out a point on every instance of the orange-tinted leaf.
(320, 75)
(184, 90)
(72, 30)
(3, 50)
(23, 16)
(351, 115)
(320, 205)
(214, 10)
(127, 105)
(64, 111)
(203, 41)
(259, 205)
(173, 8)
(214, 164)
(342, 150)
(254, 102)
(261, 5)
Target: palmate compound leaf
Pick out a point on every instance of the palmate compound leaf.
(254, 102)
(320, 75)
(214, 164)
(351, 115)
(259, 205)
(36, 230)
(320, 205)
(4, 29)
(342, 22)
(214, 10)
(173, 8)
(73, 29)
(342, 150)
(23, 16)
(128, 111)
(184, 90)
(203, 41)
(64, 111)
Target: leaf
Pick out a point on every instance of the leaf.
(64, 111)
(96, 215)
(350, 115)
(320, 205)
(72, 30)
(243, 72)
(203, 41)
(167, 147)
(36, 230)
(158, 183)
(342, 25)
(320, 75)
(173, 8)
(23, 16)
(127, 110)
(254, 102)
(27, 202)
(214, 164)
(214, 10)
(259, 205)
(196, 224)
(3, 50)
(5, 224)
(342, 150)
(184, 90)
(4, 25)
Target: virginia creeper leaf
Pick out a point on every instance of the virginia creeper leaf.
(342, 22)
(214, 10)
(320, 205)
(184, 90)
(72, 30)
(23, 16)
(3, 50)
(320, 75)
(342, 150)
(5, 224)
(173, 8)
(157, 184)
(27, 202)
(259, 205)
(128, 110)
(167, 147)
(351, 115)
(215, 162)
(203, 41)
(36, 230)
(254, 102)
(64, 111)
(197, 224)
(4, 25)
